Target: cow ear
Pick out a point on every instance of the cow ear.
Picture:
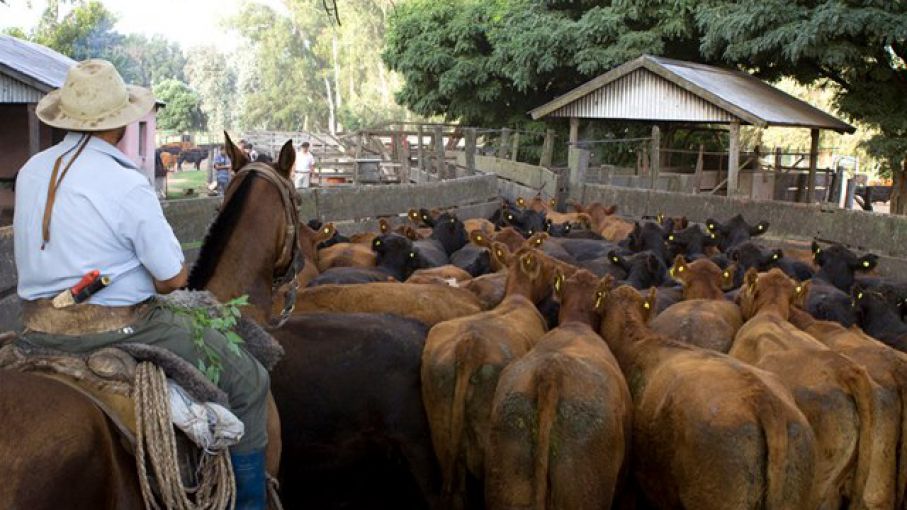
(610, 210)
(326, 232)
(683, 223)
(617, 260)
(759, 229)
(384, 226)
(410, 233)
(585, 219)
(867, 262)
(378, 245)
(537, 240)
(815, 247)
(750, 278)
(413, 215)
(776, 255)
(427, 217)
(552, 203)
(530, 265)
(286, 159)
(727, 277)
(798, 299)
(520, 201)
(559, 285)
(238, 158)
(478, 238)
(678, 270)
(712, 225)
(500, 254)
(605, 286)
(648, 305)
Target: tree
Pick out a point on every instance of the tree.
(212, 75)
(182, 111)
(857, 49)
(153, 59)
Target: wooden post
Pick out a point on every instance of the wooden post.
(777, 159)
(574, 130)
(578, 162)
(655, 167)
(422, 166)
(34, 131)
(515, 146)
(400, 156)
(440, 164)
(505, 140)
(733, 158)
(470, 151)
(697, 176)
(547, 149)
(813, 162)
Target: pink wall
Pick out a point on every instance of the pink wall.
(130, 144)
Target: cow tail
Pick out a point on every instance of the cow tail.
(774, 423)
(464, 369)
(547, 398)
(857, 381)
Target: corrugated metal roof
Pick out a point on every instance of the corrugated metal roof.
(14, 91)
(43, 67)
(738, 95)
(643, 95)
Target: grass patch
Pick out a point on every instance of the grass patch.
(179, 182)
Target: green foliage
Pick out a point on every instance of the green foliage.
(212, 75)
(182, 112)
(151, 60)
(223, 319)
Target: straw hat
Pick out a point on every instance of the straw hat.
(94, 98)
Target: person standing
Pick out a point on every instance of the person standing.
(305, 165)
(160, 175)
(221, 170)
(83, 205)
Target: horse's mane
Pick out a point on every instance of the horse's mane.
(219, 234)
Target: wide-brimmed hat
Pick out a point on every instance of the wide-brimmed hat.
(94, 98)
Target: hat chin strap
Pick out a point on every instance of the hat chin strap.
(54, 185)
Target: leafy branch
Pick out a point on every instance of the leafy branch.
(223, 319)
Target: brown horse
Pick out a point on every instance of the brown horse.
(56, 446)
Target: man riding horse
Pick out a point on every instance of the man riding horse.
(83, 205)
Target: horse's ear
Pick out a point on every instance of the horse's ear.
(238, 158)
(287, 158)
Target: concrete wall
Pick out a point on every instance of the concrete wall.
(469, 197)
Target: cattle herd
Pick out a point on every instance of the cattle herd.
(573, 360)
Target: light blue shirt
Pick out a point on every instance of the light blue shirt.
(105, 217)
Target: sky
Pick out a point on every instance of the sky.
(188, 22)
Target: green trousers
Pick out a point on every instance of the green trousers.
(243, 378)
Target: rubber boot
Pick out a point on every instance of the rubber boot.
(249, 471)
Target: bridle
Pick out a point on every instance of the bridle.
(290, 260)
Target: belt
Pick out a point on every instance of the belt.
(40, 316)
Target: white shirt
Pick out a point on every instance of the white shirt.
(105, 217)
(305, 161)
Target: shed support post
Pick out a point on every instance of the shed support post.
(440, 163)
(813, 163)
(697, 176)
(422, 166)
(655, 152)
(34, 131)
(547, 149)
(574, 130)
(515, 146)
(578, 162)
(733, 159)
(470, 151)
(505, 141)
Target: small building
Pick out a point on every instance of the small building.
(28, 71)
(671, 93)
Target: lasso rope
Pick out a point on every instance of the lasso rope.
(156, 440)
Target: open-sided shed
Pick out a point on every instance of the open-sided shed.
(660, 90)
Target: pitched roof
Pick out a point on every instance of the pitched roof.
(36, 65)
(662, 89)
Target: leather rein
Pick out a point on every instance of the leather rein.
(290, 259)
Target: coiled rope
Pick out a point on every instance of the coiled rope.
(156, 445)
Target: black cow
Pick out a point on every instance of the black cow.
(644, 269)
(735, 231)
(354, 430)
(315, 224)
(879, 318)
(194, 156)
(690, 242)
(838, 265)
(649, 236)
(447, 236)
(395, 258)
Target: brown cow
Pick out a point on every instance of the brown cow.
(834, 393)
(709, 431)
(346, 255)
(604, 223)
(308, 245)
(403, 299)
(445, 275)
(560, 426)
(705, 318)
(479, 224)
(461, 364)
(888, 370)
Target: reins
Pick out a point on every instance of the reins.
(290, 258)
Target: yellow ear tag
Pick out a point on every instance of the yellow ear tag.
(775, 257)
(818, 251)
(713, 236)
(671, 237)
(760, 227)
(478, 238)
(557, 284)
(452, 220)
(412, 255)
(711, 226)
(646, 305)
(327, 230)
(865, 263)
(680, 269)
(860, 295)
(424, 217)
(799, 289)
(377, 242)
(671, 272)
(726, 274)
(500, 254)
(615, 259)
(598, 299)
(510, 217)
(538, 242)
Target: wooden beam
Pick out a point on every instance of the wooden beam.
(574, 130)
(34, 131)
(505, 141)
(655, 156)
(733, 159)
(470, 151)
(422, 165)
(440, 164)
(813, 162)
(547, 148)
(515, 146)
(697, 176)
